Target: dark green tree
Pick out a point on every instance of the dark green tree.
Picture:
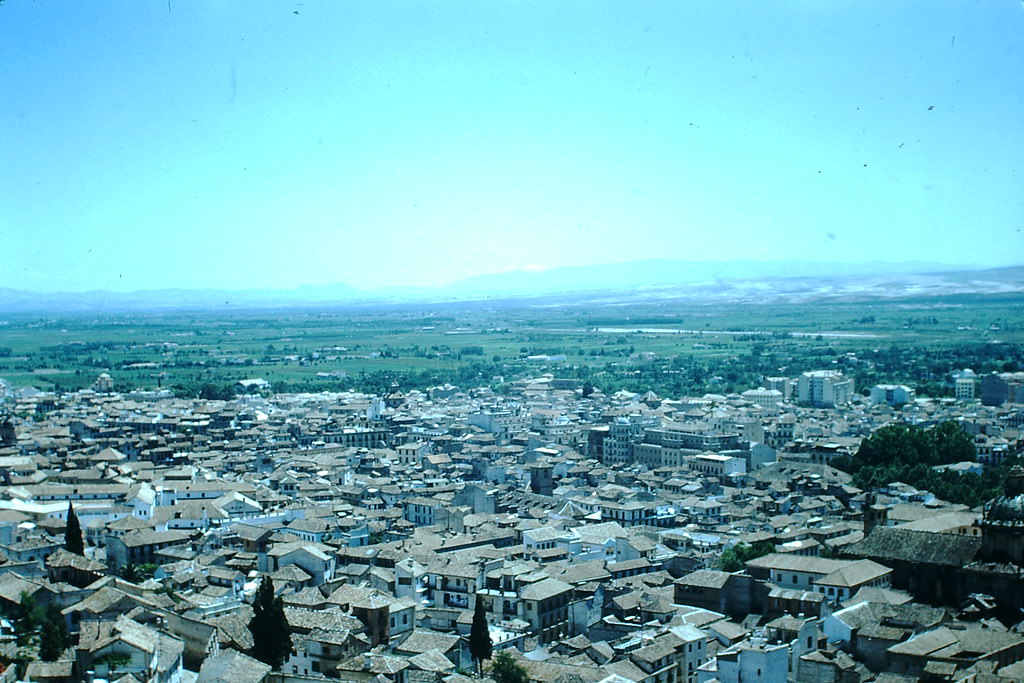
(479, 636)
(735, 557)
(27, 617)
(137, 573)
(910, 454)
(507, 670)
(271, 634)
(952, 443)
(53, 635)
(73, 540)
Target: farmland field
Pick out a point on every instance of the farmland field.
(672, 348)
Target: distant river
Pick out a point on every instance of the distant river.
(669, 330)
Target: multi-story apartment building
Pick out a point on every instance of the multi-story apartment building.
(502, 422)
(998, 388)
(668, 446)
(519, 591)
(623, 435)
(768, 399)
(964, 387)
(349, 436)
(824, 388)
(892, 394)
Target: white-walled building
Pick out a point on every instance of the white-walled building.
(717, 465)
(965, 388)
(752, 661)
(824, 388)
(892, 394)
(769, 399)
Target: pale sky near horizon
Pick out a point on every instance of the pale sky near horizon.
(249, 144)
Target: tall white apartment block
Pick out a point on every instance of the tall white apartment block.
(824, 388)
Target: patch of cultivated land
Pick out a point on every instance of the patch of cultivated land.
(668, 346)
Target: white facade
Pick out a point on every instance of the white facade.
(837, 626)
(783, 384)
(501, 423)
(892, 394)
(965, 389)
(824, 388)
(752, 661)
(769, 399)
(716, 465)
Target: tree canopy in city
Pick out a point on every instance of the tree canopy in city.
(507, 670)
(736, 556)
(271, 634)
(53, 634)
(911, 454)
(479, 635)
(73, 539)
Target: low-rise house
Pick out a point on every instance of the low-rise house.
(451, 582)
(188, 514)
(716, 590)
(106, 603)
(384, 616)
(316, 559)
(124, 646)
(869, 629)
(67, 567)
(32, 551)
(308, 529)
(420, 641)
(238, 505)
(836, 579)
(750, 661)
(140, 546)
(371, 666)
(545, 606)
(946, 650)
(118, 527)
(13, 587)
(321, 651)
(233, 666)
(60, 671)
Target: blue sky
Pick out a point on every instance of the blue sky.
(254, 144)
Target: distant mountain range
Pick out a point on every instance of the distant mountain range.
(738, 281)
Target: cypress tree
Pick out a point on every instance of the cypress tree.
(271, 634)
(73, 540)
(53, 636)
(479, 635)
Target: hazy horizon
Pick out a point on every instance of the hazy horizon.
(708, 270)
(267, 146)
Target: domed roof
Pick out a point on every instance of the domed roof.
(1008, 508)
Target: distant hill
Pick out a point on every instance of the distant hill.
(734, 281)
(661, 273)
(12, 300)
